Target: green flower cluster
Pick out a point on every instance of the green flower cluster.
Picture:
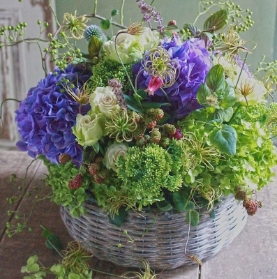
(106, 70)
(58, 177)
(250, 166)
(146, 170)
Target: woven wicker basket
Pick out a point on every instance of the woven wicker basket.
(161, 239)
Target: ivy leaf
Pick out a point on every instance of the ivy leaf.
(216, 21)
(114, 12)
(225, 139)
(216, 78)
(192, 217)
(119, 218)
(105, 24)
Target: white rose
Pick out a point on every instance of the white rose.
(88, 129)
(104, 100)
(129, 47)
(148, 38)
(113, 152)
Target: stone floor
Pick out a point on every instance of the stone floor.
(252, 255)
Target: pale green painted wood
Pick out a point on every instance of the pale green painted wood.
(184, 11)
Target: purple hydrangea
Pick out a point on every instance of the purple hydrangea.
(47, 114)
(194, 63)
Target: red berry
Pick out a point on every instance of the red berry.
(177, 135)
(151, 124)
(98, 179)
(93, 168)
(76, 182)
(64, 158)
(251, 206)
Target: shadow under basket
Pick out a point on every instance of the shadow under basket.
(164, 239)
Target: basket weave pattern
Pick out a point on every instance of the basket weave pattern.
(162, 238)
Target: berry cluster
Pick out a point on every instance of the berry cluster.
(251, 205)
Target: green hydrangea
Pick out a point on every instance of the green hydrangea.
(58, 178)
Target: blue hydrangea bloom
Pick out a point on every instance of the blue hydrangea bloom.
(47, 114)
(194, 62)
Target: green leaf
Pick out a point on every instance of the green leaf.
(105, 24)
(142, 94)
(168, 30)
(33, 268)
(164, 205)
(225, 139)
(31, 260)
(212, 125)
(132, 104)
(53, 241)
(119, 218)
(46, 233)
(137, 98)
(154, 105)
(215, 78)
(224, 115)
(216, 21)
(114, 12)
(192, 29)
(212, 214)
(181, 201)
(192, 217)
(202, 94)
(96, 147)
(226, 95)
(94, 46)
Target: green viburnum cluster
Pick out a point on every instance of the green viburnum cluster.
(147, 171)
(106, 70)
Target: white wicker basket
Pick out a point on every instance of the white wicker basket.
(161, 238)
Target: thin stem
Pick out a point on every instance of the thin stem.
(121, 12)
(244, 60)
(28, 40)
(103, 18)
(95, 7)
(129, 79)
(55, 248)
(200, 14)
(186, 245)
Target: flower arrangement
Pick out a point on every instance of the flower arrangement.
(156, 118)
